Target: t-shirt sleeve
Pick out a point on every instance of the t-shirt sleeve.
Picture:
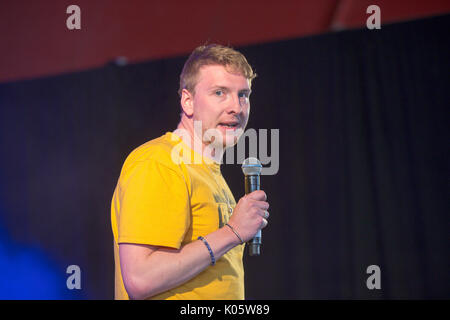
(155, 208)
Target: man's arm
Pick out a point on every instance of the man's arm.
(149, 270)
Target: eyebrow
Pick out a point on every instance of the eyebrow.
(228, 89)
(246, 91)
(219, 87)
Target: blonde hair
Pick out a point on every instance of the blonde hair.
(213, 54)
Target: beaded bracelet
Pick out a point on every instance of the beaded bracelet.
(213, 259)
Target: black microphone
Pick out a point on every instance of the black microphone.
(252, 170)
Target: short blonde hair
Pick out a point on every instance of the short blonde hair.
(213, 54)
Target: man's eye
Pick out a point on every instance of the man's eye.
(243, 98)
(218, 93)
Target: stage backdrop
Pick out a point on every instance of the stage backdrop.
(363, 178)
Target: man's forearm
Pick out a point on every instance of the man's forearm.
(165, 269)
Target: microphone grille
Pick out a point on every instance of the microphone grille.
(251, 166)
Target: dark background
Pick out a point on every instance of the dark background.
(363, 176)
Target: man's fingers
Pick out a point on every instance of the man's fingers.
(263, 213)
(264, 223)
(262, 205)
(258, 195)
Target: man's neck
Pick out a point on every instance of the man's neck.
(190, 138)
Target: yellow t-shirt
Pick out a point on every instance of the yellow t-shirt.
(161, 202)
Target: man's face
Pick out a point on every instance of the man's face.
(221, 102)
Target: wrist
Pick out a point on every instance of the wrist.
(237, 237)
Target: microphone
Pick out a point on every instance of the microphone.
(251, 167)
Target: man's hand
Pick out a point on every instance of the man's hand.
(250, 214)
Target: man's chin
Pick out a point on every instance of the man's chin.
(223, 138)
(230, 142)
(231, 137)
(223, 144)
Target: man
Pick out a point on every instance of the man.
(178, 232)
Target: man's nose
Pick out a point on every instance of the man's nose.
(234, 106)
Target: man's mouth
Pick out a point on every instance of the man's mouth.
(230, 125)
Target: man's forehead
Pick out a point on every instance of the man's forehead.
(211, 75)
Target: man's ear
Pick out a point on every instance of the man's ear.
(187, 102)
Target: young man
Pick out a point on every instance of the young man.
(178, 232)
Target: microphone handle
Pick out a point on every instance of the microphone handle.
(252, 183)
